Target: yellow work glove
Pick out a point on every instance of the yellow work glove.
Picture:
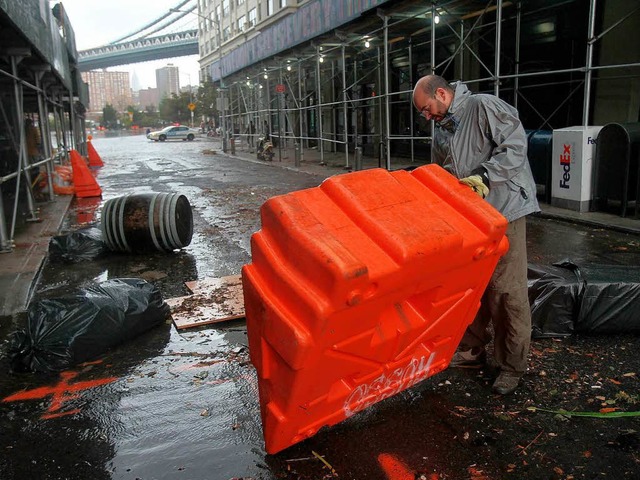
(476, 184)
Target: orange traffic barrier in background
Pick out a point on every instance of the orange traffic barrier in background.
(85, 184)
(94, 158)
(361, 288)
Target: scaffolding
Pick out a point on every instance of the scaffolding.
(352, 88)
(38, 109)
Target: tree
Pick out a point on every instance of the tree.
(176, 108)
(206, 99)
(109, 116)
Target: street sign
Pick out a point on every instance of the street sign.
(280, 88)
(220, 106)
(192, 106)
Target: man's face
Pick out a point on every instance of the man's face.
(431, 108)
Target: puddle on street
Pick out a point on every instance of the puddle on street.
(184, 404)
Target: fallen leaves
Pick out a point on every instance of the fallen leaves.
(566, 413)
(476, 473)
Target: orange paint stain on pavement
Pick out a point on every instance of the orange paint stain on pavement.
(394, 468)
(60, 393)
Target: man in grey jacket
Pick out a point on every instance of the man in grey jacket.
(480, 139)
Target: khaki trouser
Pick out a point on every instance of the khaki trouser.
(506, 303)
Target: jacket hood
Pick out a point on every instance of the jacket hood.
(451, 119)
(462, 93)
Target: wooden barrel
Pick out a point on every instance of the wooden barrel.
(146, 222)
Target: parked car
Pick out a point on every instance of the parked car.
(174, 132)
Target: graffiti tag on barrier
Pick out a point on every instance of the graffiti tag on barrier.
(386, 386)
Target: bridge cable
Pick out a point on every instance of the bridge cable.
(157, 20)
(165, 25)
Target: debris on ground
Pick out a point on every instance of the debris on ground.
(83, 244)
(213, 300)
(61, 332)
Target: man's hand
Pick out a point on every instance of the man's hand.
(476, 184)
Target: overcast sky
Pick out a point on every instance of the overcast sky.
(98, 23)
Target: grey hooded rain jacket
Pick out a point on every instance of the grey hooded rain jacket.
(481, 130)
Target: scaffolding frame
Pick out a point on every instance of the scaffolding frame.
(320, 105)
(53, 104)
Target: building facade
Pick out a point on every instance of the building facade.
(111, 88)
(338, 75)
(168, 81)
(148, 97)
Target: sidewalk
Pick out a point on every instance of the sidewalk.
(335, 163)
(19, 269)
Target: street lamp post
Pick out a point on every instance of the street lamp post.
(221, 89)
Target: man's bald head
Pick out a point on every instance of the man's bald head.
(432, 96)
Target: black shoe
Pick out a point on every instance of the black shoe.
(506, 383)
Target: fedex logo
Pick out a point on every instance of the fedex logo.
(565, 161)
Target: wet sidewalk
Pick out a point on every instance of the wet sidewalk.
(331, 163)
(19, 268)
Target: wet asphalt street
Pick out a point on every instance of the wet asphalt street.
(183, 405)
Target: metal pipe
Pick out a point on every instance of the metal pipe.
(496, 85)
(23, 160)
(380, 119)
(221, 88)
(516, 84)
(43, 113)
(432, 52)
(588, 63)
(411, 113)
(355, 106)
(279, 99)
(462, 49)
(319, 119)
(269, 113)
(300, 111)
(344, 109)
(386, 92)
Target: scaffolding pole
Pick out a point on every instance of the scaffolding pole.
(589, 62)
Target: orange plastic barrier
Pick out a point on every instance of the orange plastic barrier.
(361, 288)
(84, 183)
(94, 158)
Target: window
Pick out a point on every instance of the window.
(225, 8)
(269, 7)
(283, 3)
(218, 12)
(252, 17)
(226, 33)
(241, 22)
(240, 2)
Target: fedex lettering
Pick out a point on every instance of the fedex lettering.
(565, 161)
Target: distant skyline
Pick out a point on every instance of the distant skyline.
(99, 23)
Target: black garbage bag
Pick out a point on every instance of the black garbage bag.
(596, 299)
(65, 331)
(84, 244)
(610, 302)
(554, 295)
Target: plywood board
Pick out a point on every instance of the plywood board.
(213, 300)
